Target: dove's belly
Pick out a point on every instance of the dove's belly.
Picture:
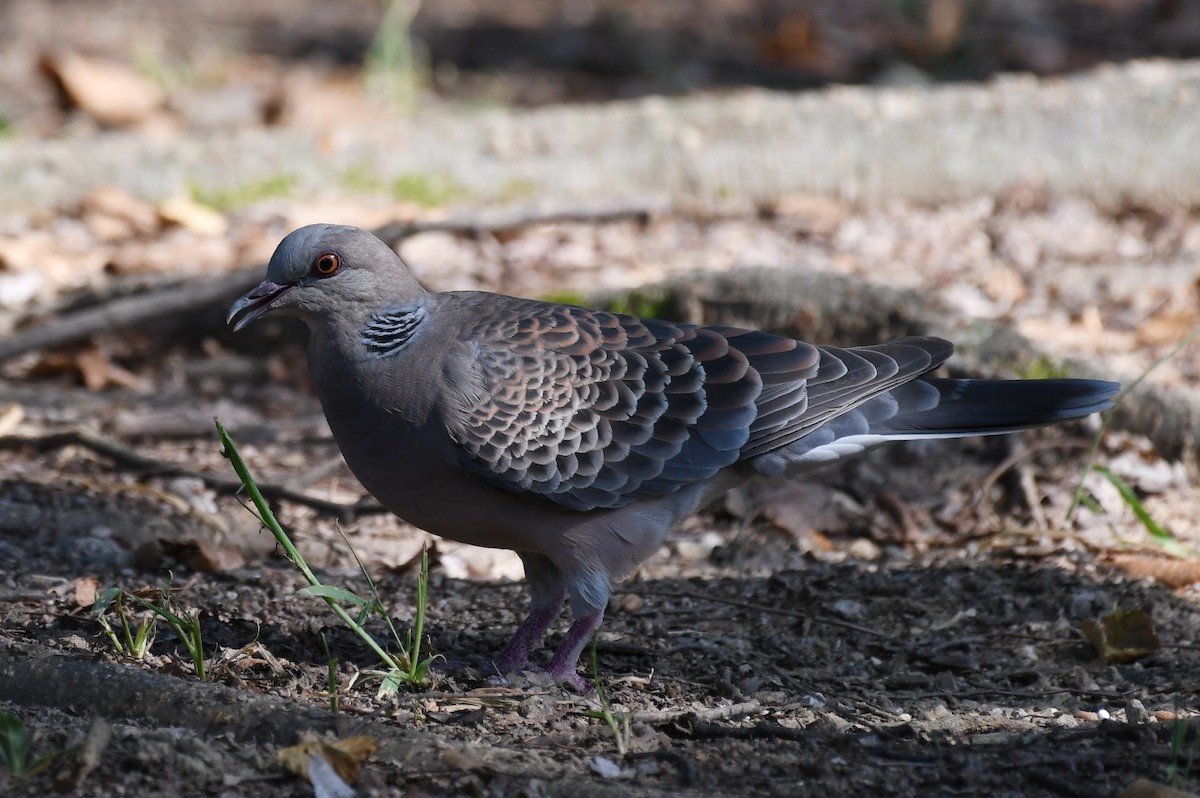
(411, 470)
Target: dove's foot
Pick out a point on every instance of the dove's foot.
(564, 666)
(515, 655)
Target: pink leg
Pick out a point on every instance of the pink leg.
(516, 654)
(565, 663)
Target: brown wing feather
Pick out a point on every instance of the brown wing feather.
(592, 409)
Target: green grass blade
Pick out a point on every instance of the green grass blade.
(1162, 536)
(334, 592)
(1130, 497)
(1106, 417)
(271, 523)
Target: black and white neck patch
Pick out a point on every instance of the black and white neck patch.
(389, 330)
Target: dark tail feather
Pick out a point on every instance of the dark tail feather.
(984, 407)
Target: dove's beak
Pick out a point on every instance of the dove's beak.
(258, 302)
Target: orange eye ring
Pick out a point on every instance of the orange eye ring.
(327, 263)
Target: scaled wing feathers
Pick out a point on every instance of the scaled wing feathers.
(594, 410)
(590, 409)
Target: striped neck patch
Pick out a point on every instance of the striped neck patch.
(389, 330)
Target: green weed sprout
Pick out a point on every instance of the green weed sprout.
(134, 641)
(16, 748)
(405, 668)
(1158, 533)
(617, 724)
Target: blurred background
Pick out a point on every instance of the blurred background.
(537, 52)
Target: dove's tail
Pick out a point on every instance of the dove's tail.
(930, 407)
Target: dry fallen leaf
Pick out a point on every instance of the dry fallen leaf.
(98, 371)
(112, 214)
(203, 555)
(85, 591)
(111, 92)
(93, 367)
(40, 264)
(794, 40)
(10, 418)
(1005, 285)
(1083, 337)
(186, 212)
(345, 756)
(1123, 636)
(1167, 328)
(630, 602)
(1173, 573)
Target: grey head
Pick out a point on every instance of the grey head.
(324, 273)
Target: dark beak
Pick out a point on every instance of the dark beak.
(258, 302)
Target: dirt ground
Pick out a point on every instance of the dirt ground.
(909, 623)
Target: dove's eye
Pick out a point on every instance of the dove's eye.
(327, 263)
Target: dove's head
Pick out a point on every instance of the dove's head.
(328, 271)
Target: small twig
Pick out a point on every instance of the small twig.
(708, 714)
(132, 460)
(173, 303)
(1013, 459)
(114, 451)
